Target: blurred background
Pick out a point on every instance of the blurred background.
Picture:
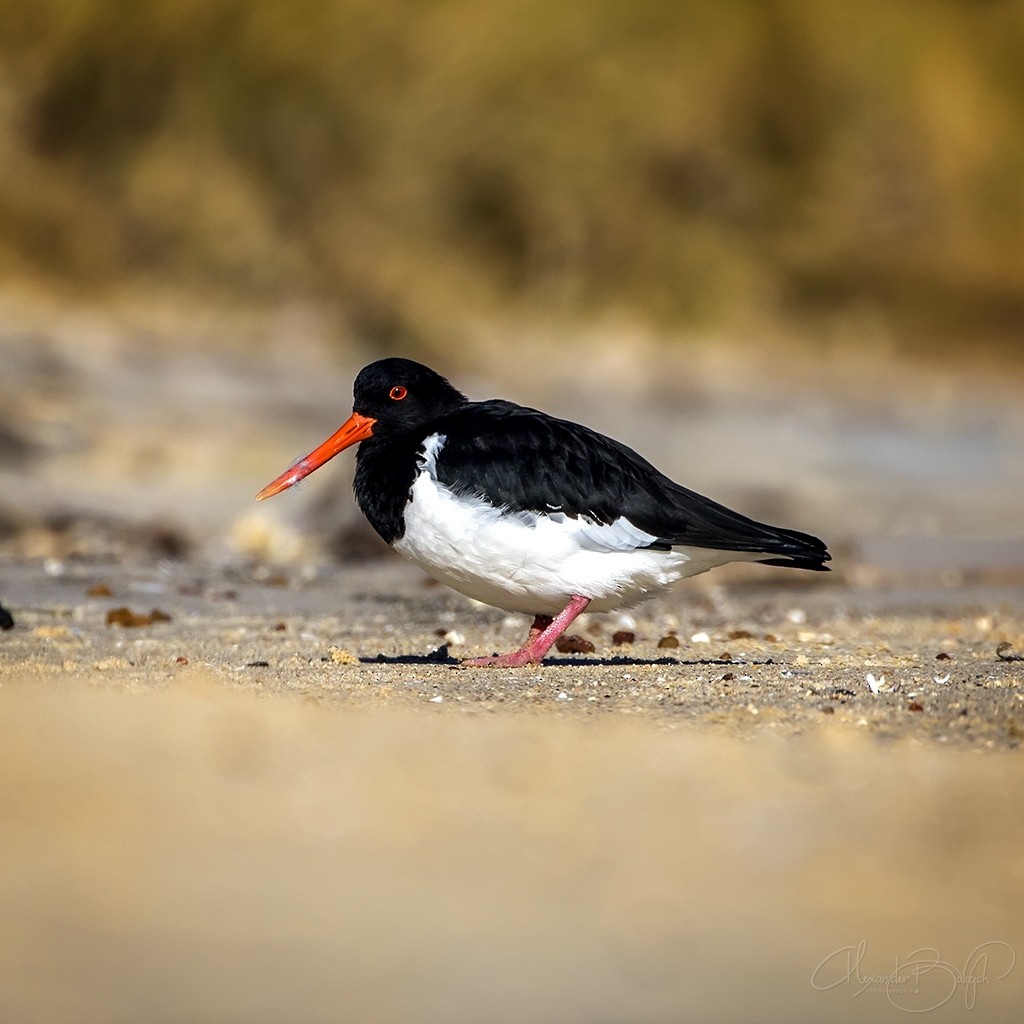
(777, 245)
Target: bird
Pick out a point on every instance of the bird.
(527, 512)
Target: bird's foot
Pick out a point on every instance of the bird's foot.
(543, 633)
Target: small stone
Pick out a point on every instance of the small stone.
(6, 618)
(623, 636)
(668, 641)
(339, 656)
(181, 660)
(128, 619)
(280, 627)
(915, 706)
(108, 664)
(1003, 652)
(52, 632)
(700, 638)
(574, 644)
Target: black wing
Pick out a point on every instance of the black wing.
(526, 461)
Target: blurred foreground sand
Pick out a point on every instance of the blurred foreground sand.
(205, 855)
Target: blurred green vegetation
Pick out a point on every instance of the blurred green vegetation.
(419, 164)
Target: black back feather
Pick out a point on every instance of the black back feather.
(524, 460)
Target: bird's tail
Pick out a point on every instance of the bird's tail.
(797, 551)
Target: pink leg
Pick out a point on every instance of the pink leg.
(544, 632)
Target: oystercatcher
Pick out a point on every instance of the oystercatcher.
(527, 512)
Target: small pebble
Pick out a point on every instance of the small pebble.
(6, 618)
(339, 656)
(914, 706)
(107, 664)
(623, 636)
(700, 638)
(574, 644)
(52, 632)
(181, 660)
(127, 618)
(671, 640)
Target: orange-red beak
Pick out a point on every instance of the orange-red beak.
(356, 428)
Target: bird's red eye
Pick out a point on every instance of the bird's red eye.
(398, 392)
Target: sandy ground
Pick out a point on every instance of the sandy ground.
(760, 652)
(279, 798)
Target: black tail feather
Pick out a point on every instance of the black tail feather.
(815, 564)
(795, 550)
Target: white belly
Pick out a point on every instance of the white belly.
(533, 563)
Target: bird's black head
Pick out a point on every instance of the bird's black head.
(392, 398)
(402, 397)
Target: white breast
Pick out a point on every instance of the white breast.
(534, 562)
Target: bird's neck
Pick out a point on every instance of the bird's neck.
(385, 471)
